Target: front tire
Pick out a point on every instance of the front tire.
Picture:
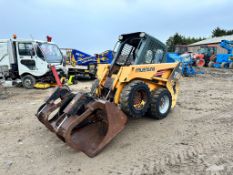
(28, 81)
(135, 99)
(160, 105)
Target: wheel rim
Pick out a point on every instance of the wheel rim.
(139, 99)
(28, 82)
(164, 104)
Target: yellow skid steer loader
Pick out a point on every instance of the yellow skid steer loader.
(137, 83)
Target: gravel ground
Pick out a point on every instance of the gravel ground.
(196, 137)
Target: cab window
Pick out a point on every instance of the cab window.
(39, 53)
(149, 57)
(154, 56)
(26, 49)
(158, 56)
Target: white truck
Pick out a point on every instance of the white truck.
(29, 60)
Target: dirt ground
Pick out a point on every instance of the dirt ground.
(196, 137)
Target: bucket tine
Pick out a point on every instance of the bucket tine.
(64, 96)
(83, 123)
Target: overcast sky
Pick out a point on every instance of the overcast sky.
(93, 26)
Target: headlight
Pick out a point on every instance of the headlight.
(120, 37)
(142, 35)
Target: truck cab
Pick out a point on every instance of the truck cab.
(29, 60)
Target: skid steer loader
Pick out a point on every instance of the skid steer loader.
(137, 83)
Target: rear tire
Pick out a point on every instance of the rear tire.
(135, 99)
(160, 105)
(223, 65)
(28, 81)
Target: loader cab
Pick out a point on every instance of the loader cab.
(139, 48)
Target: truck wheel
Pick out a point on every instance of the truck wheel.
(210, 64)
(160, 105)
(223, 65)
(135, 99)
(231, 66)
(92, 77)
(28, 81)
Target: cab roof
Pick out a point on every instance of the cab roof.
(137, 35)
(24, 40)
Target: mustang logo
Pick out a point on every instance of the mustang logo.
(145, 69)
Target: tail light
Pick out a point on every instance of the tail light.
(49, 38)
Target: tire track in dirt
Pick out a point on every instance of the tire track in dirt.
(190, 159)
(193, 155)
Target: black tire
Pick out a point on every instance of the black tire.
(156, 97)
(223, 65)
(94, 86)
(231, 66)
(92, 77)
(28, 81)
(128, 98)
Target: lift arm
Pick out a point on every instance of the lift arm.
(228, 45)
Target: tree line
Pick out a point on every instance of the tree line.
(178, 39)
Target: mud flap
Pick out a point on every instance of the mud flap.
(91, 131)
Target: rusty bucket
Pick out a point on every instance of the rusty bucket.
(84, 123)
(92, 129)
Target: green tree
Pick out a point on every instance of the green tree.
(218, 32)
(178, 39)
(229, 32)
(173, 41)
(221, 32)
